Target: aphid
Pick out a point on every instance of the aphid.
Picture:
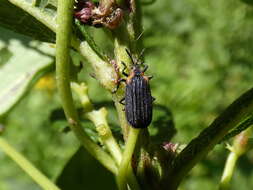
(138, 99)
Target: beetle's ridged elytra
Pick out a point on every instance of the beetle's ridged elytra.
(138, 99)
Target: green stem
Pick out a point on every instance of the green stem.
(98, 117)
(134, 26)
(27, 166)
(120, 2)
(241, 127)
(239, 147)
(90, 40)
(63, 82)
(228, 171)
(127, 156)
(120, 45)
(105, 72)
(199, 147)
(131, 178)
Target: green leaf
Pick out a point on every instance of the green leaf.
(58, 121)
(89, 39)
(162, 128)
(24, 62)
(84, 172)
(18, 20)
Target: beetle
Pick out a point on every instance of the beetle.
(138, 98)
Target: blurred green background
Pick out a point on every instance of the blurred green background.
(200, 53)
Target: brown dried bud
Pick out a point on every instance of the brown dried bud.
(107, 13)
(114, 19)
(84, 15)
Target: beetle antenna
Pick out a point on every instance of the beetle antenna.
(141, 34)
(129, 54)
(141, 54)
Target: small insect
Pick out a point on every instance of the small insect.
(138, 100)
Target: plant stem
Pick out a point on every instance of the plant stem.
(98, 117)
(199, 147)
(127, 156)
(134, 26)
(105, 72)
(27, 166)
(228, 171)
(63, 82)
(120, 2)
(132, 181)
(239, 147)
(120, 45)
(241, 127)
(90, 40)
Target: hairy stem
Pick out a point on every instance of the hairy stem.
(104, 71)
(27, 166)
(199, 147)
(63, 82)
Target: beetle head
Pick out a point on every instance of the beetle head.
(137, 70)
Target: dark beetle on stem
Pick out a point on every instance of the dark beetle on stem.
(138, 100)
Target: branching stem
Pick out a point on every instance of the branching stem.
(63, 82)
(199, 147)
(126, 159)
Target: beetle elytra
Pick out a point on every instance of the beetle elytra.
(138, 99)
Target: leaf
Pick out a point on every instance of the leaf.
(162, 128)
(27, 61)
(58, 120)
(89, 39)
(84, 172)
(18, 20)
(46, 3)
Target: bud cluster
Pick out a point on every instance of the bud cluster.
(104, 13)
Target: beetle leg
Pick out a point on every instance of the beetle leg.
(118, 84)
(153, 99)
(150, 77)
(124, 69)
(130, 55)
(145, 68)
(93, 75)
(141, 54)
(122, 80)
(121, 101)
